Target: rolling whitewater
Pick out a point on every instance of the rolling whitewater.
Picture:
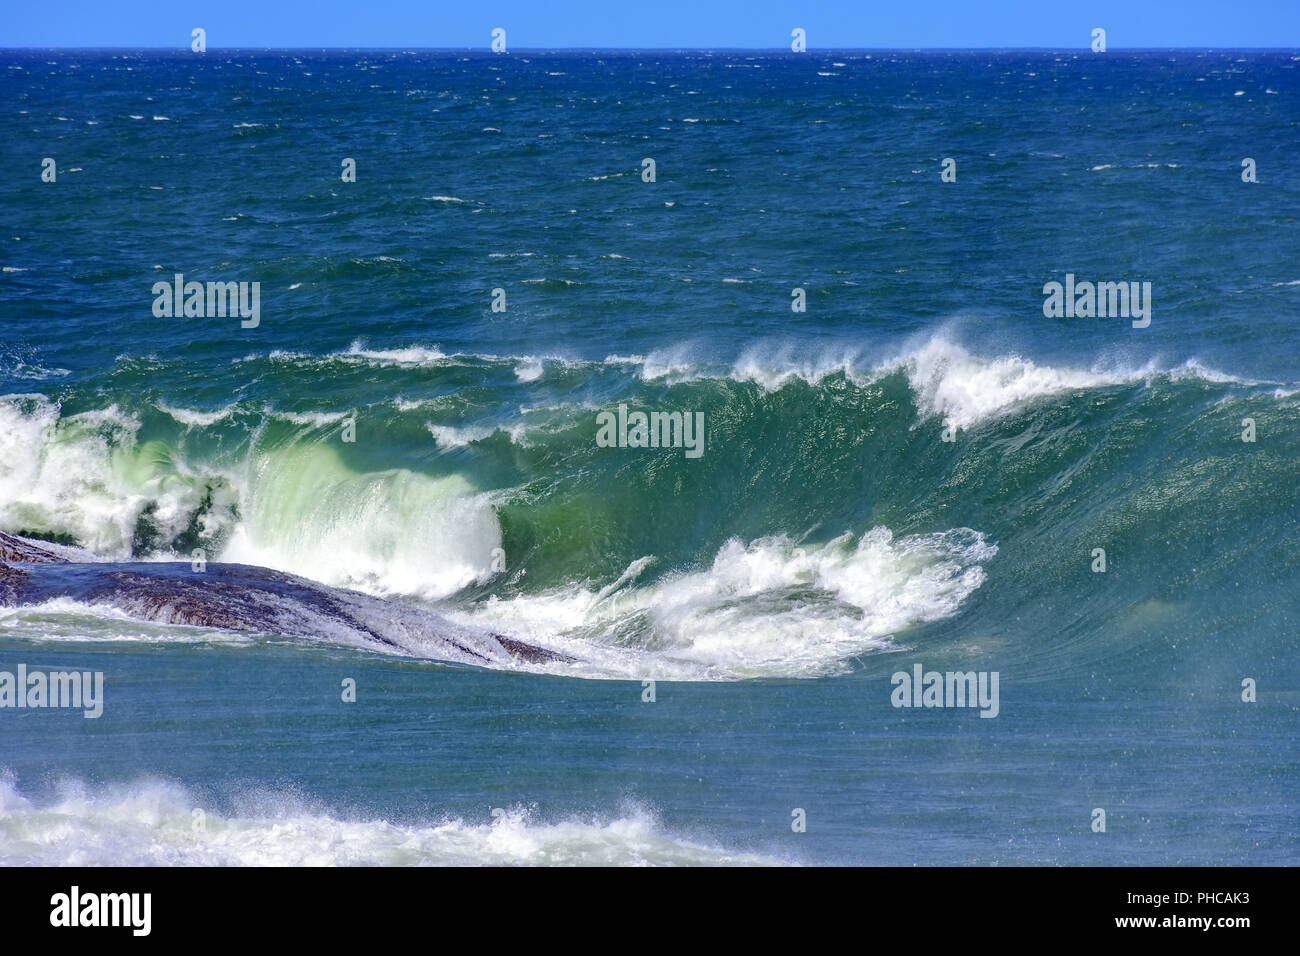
(640, 655)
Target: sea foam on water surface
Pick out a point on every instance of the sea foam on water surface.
(769, 608)
(154, 822)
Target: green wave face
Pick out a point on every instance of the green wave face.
(833, 513)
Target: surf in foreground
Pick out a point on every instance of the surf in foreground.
(152, 823)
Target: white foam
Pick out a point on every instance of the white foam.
(949, 381)
(150, 822)
(393, 532)
(774, 367)
(64, 620)
(309, 419)
(529, 370)
(669, 365)
(410, 405)
(295, 508)
(356, 354)
(80, 476)
(16, 368)
(964, 389)
(769, 608)
(196, 419)
(414, 355)
(458, 436)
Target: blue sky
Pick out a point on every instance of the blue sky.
(567, 24)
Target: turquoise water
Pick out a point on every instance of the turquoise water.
(827, 537)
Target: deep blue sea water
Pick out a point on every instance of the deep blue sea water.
(828, 536)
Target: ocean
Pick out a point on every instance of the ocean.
(837, 262)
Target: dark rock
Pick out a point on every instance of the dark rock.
(241, 597)
(13, 548)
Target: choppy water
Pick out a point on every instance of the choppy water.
(828, 535)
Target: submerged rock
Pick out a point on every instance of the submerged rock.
(14, 548)
(242, 597)
(11, 579)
